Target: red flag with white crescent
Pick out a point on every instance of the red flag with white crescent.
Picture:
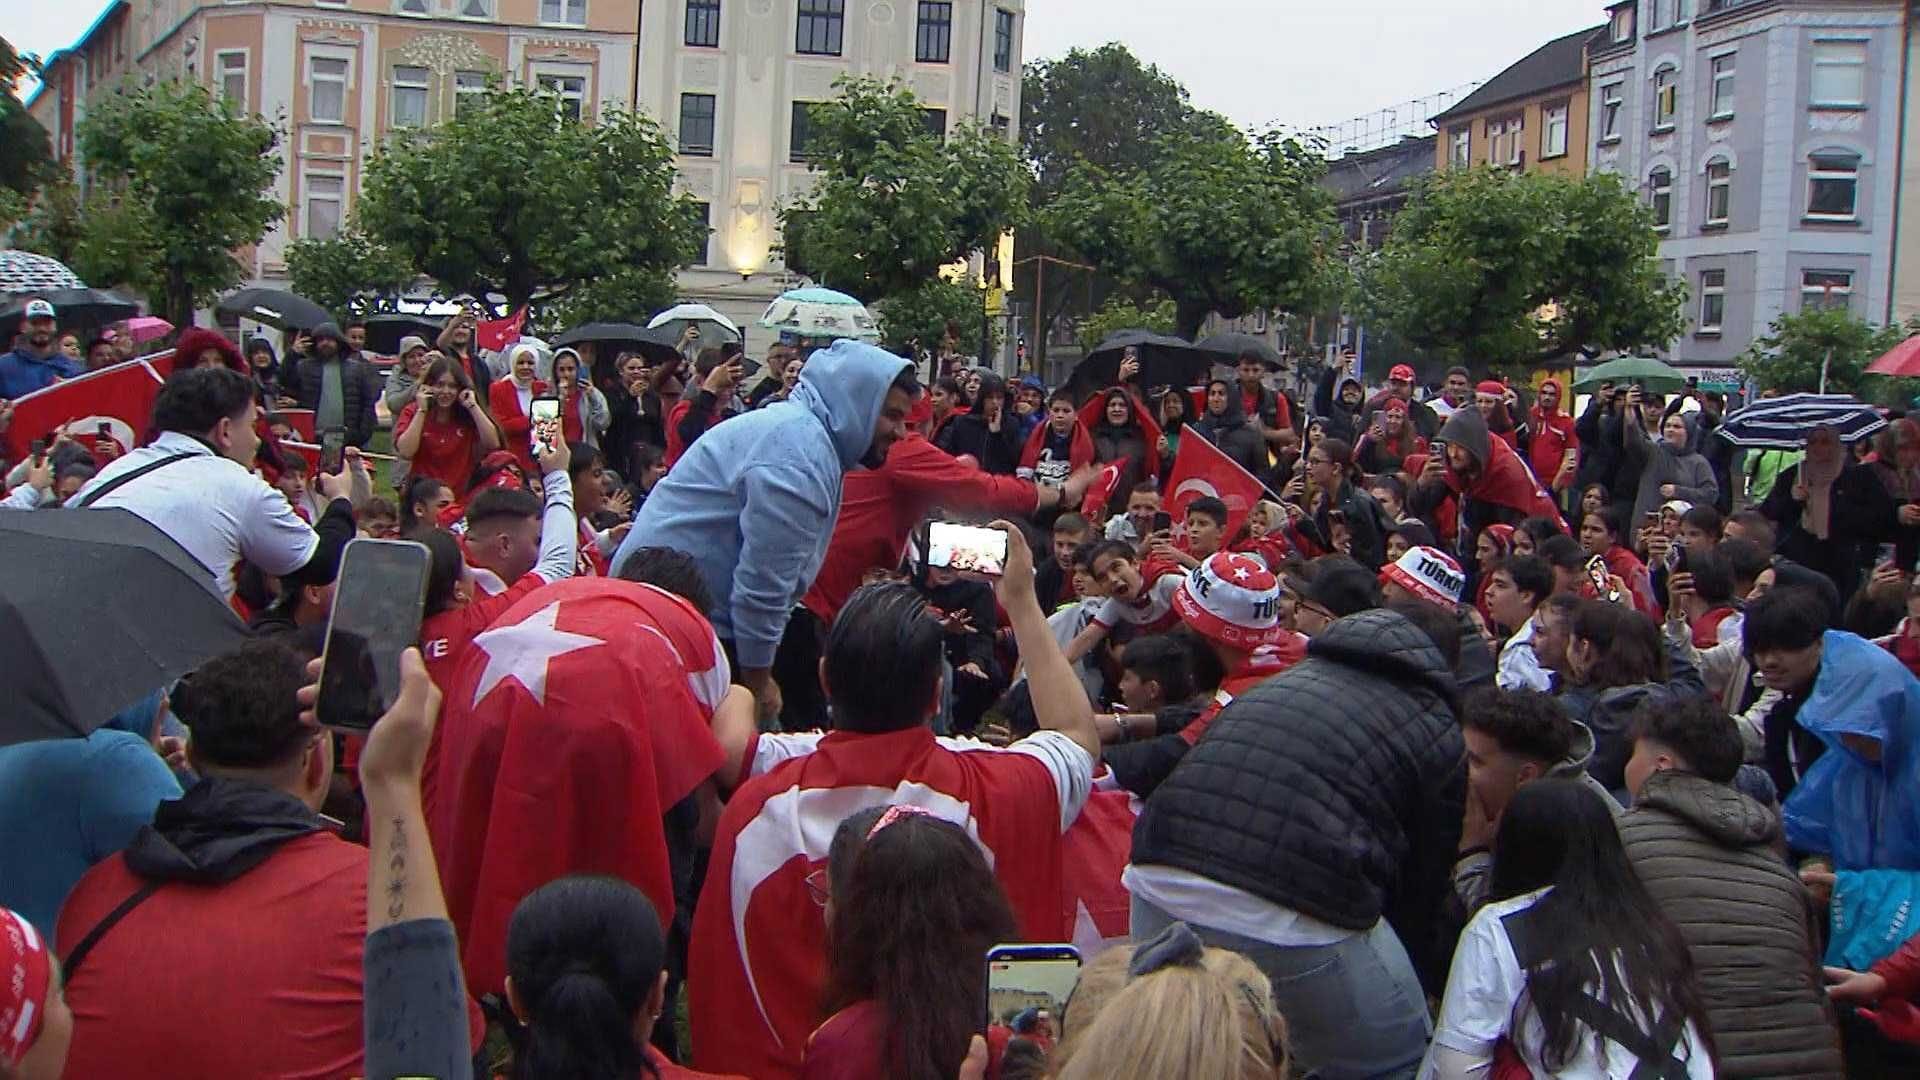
(1199, 468)
(118, 398)
(570, 726)
(1100, 492)
(494, 335)
(1094, 854)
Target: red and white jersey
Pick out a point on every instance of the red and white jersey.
(1153, 613)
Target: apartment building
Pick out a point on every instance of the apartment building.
(1765, 134)
(1532, 116)
(728, 79)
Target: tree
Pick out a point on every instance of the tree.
(1217, 221)
(56, 223)
(1493, 266)
(346, 271)
(1789, 358)
(893, 202)
(189, 181)
(28, 158)
(1119, 314)
(920, 317)
(511, 196)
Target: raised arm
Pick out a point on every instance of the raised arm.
(1059, 701)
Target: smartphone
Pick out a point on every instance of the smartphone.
(333, 446)
(376, 615)
(545, 414)
(1162, 522)
(1028, 987)
(1652, 519)
(1597, 573)
(104, 431)
(968, 549)
(38, 451)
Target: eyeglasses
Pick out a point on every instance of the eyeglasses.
(1315, 609)
(819, 886)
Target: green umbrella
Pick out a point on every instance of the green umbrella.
(1651, 374)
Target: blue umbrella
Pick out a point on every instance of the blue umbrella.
(1782, 423)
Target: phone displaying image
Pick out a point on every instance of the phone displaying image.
(1597, 573)
(1028, 987)
(376, 616)
(967, 549)
(545, 414)
(333, 446)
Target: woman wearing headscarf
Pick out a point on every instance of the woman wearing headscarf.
(1121, 432)
(1829, 511)
(584, 413)
(1668, 467)
(510, 400)
(1173, 405)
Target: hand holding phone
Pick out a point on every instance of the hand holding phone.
(376, 614)
(1162, 522)
(1597, 573)
(545, 415)
(1028, 987)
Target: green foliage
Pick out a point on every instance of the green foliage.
(1119, 313)
(892, 202)
(190, 182)
(1478, 254)
(346, 271)
(920, 317)
(28, 157)
(55, 224)
(1216, 220)
(1788, 359)
(511, 196)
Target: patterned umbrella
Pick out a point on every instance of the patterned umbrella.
(820, 313)
(27, 272)
(1782, 423)
(714, 327)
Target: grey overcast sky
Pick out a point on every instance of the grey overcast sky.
(1302, 62)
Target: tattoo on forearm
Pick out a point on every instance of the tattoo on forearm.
(397, 872)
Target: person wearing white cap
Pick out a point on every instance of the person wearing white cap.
(1431, 576)
(36, 362)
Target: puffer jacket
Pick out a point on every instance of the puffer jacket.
(1334, 789)
(1709, 856)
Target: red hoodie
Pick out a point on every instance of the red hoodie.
(879, 507)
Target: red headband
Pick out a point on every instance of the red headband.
(26, 978)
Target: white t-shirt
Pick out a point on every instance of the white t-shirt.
(211, 506)
(1483, 997)
(1152, 612)
(1203, 901)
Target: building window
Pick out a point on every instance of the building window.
(696, 124)
(1503, 140)
(467, 86)
(1665, 15)
(703, 23)
(1660, 194)
(572, 90)
(408, 101)
(820, 25)
(801, 131)
(1719, 191)
(933, 41)
(1002, 40)
(1713, 300)
(1620, 26)
(1460, 147)
(1839, 74)
(1822, 290)
(936, 122)
(1722, 98)
(412, 7)
(1610, 106)
(1553, 136)
(232, 65)
(476, 9)
(564, 12)
(1001, 125)
(1833, 184)
(1666, 98)
(702, 214)
(326, 90)
(324, 194)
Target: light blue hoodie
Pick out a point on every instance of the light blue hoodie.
(754, 500)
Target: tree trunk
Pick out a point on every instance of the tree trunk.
(1188, 315)
(178, 301)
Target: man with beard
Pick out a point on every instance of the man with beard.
(35, 363)
(754, 501)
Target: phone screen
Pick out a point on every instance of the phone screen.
(1597, 573)
(1028, 987)
(376, 616)
(968, 549)
(545, 414)
(332, 445)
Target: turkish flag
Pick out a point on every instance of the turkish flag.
(301, 421)
(120, 397)
(494, 335)
(1100, 492)
(1199, 468)
(756, 967)
(571, 725)
(1094, 854)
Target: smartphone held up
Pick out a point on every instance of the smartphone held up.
(544, 412)
(1028, 987)
(966, 549)
(377, 601)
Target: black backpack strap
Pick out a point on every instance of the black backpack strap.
(1655, 1052)
(128, 477)
(85, 945)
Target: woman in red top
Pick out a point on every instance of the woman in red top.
(511, 400)
(444, 430)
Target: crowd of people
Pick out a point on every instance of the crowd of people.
(1498, 736)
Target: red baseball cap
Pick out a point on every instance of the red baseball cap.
(1401, 372)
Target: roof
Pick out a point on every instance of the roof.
(1557, 63)
(60, 55)
(1386, 171)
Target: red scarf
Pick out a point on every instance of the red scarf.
(1081, 454)
(1094, 412)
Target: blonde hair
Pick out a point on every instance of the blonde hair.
(1211, 1021)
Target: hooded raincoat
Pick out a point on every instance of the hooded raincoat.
(1859, 803)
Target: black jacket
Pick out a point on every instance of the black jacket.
(1141, 765)
(1601, 452)
(1235, 437)
(998, 452)
(1334, 789)
(216, 831)
(1341, 422)
(1859, 511)
(359, 384)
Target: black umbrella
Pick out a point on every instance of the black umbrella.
(1164, 361)
(610, 337)
(1233, 346)
(98, 609)
(274, 307)
(385, 331)
(71, 307)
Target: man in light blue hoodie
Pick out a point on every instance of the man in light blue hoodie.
(754, 500)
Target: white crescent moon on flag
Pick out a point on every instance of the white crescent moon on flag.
(1199, 488)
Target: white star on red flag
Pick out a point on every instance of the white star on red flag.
(523, 651)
